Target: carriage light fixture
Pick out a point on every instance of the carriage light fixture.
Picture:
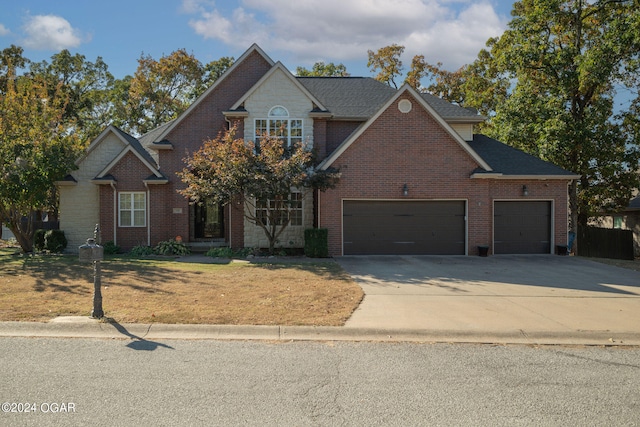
(405, 190)
(525, 190)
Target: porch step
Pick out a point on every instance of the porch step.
(203, 247)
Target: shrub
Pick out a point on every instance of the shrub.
(220, 253)
(171, 247)
(55, 241)
(38, 240)
(111, 248)
(316, 242)
(140, 251)
(226, 252)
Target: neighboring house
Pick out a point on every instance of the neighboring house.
(626, 219)
(414, 177)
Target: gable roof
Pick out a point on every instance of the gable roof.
(511, 163)
(125, 138)
(404, 89)
(132, 145)
(254, 48)
(278, 67)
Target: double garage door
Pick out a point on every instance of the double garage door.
(404, 228)
(439, 227)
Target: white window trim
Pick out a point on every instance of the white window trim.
(300, 209)
(132, 210)
(283, 118)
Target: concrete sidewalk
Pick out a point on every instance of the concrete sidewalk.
(537, 300)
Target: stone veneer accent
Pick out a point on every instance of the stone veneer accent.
(291, 237)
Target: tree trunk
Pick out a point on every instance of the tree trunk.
(23, 231)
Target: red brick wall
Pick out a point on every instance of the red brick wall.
(337, 132)
(169, 209)
(413, 149)
(129, 173)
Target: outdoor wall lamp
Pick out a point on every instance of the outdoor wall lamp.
(405, 190)
(525, 190)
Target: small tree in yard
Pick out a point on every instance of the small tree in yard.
(260, 176)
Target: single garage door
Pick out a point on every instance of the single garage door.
(522, 227)
(404, 228)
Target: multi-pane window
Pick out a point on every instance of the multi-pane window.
(279, 209)
(132, 210)
(279, 124)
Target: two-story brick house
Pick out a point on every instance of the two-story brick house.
(414, 177)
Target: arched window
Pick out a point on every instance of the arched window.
(279, 124)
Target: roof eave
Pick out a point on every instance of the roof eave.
(484, 175)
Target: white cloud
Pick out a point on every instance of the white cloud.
(50, 32)
(4, 30)
(451, 32)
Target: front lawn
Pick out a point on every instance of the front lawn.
(41, 287)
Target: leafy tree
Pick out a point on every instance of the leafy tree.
(567, 58)
(86, 84)
(36, 149)
(160, 90)
(387, 60)
(11, 59)
(320, 69)
(213, 71)
(261, 177)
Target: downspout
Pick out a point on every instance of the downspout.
(148, 214)
(115, 212)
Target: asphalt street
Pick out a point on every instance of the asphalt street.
(123, 382)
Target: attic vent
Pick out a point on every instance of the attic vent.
(404, 105)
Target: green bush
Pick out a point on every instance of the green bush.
(55, 241)
(38, 240)
(220, 253)
(316, 242)
(226, 252)
(111, 248)
(141, 251)
(171, 247)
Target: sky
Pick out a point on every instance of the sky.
(295, 32)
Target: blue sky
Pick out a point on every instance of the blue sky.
(295, 32)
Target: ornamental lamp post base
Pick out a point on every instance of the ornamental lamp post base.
(97, 312)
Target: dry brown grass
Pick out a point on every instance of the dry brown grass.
(629, 264)
(38, 288)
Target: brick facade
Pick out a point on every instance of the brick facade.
(411, 148)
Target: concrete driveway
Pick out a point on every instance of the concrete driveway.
(498, 296)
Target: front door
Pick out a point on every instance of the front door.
(209, 223)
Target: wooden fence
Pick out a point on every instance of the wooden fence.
(605, 243)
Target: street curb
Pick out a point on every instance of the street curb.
(91, 328)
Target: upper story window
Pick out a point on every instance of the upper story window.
(280, 125)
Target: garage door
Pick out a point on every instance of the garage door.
(404, 228)
(522, 227)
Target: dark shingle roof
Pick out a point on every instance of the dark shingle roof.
(350, 97)
(362, 97)
(150, 137)
(511, 161)
(448, 110)
(136, 145)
